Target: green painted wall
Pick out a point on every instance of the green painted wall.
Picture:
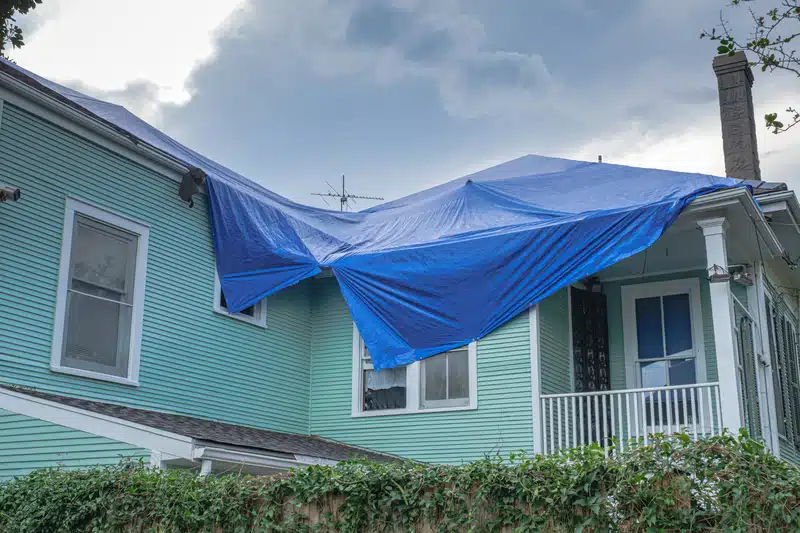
(193, 361)
(501, 424)
(613, 292)
(554, 344)
(27, 444)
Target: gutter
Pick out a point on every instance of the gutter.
(92, 122)
(743, 197)
(789, 198)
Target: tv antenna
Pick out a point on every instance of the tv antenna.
(343, 196)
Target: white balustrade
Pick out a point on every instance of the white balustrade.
(628, 416)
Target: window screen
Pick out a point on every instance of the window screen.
(99, 297)
(445, 379)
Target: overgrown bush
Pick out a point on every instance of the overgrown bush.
(719, 484)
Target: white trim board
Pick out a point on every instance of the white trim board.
(142, 232)
(96, 424)
(536, 383)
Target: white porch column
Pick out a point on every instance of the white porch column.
(723, 319)
(536, 390)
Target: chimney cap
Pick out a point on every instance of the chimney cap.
(727, 63)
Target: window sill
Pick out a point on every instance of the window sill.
(397, 412)
(93, 375)
(246, 319)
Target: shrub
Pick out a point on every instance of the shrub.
(673, 484)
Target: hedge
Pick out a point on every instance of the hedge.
(723, 483)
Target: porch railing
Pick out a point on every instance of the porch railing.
(574, 419)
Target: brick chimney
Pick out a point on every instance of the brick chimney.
(735, 82)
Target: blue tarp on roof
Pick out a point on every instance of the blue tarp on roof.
(440, 268)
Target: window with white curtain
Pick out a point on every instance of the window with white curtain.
(100, 295)
(444, 382)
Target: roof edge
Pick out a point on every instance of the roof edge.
(30, 89)
(17, 401)
(744, 197)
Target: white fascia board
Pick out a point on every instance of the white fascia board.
(104, 426)
(312, 460)
(90, 127)
(742, 196)
(783, 200)
(227, 455)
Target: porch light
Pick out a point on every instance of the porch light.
(742, 277)
(716, 274)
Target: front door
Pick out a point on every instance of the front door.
(664, 349)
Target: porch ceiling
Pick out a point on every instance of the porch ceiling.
(682, 247)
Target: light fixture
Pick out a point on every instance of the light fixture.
(191, 184)
(717, 274)
(9, 193)
(742, 277)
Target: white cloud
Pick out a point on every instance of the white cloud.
(110, 45)
(388, 41)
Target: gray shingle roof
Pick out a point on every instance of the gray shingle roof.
(218, 432)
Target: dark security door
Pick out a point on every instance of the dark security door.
(590, 355)
(590, 341)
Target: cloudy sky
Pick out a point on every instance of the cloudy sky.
(403, 94)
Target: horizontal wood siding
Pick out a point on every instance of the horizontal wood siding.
(501, 424)
(193, 361)
(28, 444)
(554, 344)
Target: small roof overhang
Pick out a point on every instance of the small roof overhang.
(182, 448)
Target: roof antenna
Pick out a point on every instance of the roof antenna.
(343, 196)
(600, 158)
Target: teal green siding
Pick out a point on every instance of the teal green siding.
(613, 292)
(193, 361)
(501, 424)
(554, 344)
(27, 444)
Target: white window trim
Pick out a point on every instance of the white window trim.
(143, 232)
(413, 386)
(662, 288)
(258, 319)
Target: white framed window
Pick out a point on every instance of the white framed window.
(663, 331)
(255, 314)
(444, 382)
(100, 298)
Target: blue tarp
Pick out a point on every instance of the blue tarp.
(440, 268)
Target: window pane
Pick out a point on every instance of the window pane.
(677, 323)
(682, 372)
(648, 328)
(435, 371)
(385, 389)
(103, 260)
(458, 366)
(97, 335)
(654, 374)
(249, 311)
